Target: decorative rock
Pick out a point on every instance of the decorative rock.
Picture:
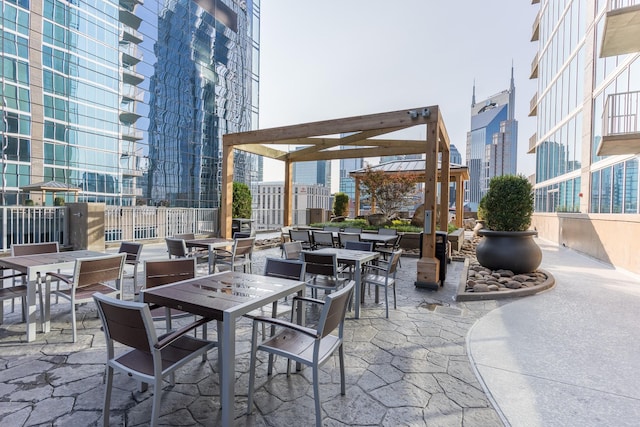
(513, 284)
(493, 287)
(481, 287)
(505, 273)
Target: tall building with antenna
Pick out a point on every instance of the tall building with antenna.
(492, 142)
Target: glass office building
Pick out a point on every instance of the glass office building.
(127, 100)
(492, 142)
(587, 140)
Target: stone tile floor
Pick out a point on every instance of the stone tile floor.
(411, 369)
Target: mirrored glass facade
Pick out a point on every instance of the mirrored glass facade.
(127, 100)
(574, 83)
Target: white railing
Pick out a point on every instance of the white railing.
(144, 222)
(619, 4)
(621, 114)
(32, 224)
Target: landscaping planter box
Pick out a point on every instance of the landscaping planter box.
(456, 238)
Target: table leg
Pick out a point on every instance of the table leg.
(358, 276)
(31, 310)
(46, 310)
(227, 342)
(212, 252)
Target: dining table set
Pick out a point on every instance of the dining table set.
(224, 296)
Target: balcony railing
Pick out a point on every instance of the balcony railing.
(533, 105)
(621, 33)
(534, 67)
(621, 124)
(535, 32)
(37, 224)
(532, 143)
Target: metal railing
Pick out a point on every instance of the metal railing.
(619, 4)
(144, 222)
(621, 114)
(32, 224)
(272, 219)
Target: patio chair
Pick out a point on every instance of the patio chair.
(383, 275)
(133, 251)
(322, 239)
(33, 249)
(311, 347)
(163, 272)
(356, 246)
(355, 230)
(12, 292)
(331, 229)
(301, 236)
(99, 275)
(322, 272)
(150, 358)
(240, 255)
(393, 246)
(292, 250)
(178, 249)
(343, 238)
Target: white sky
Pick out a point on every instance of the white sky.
(339, 58)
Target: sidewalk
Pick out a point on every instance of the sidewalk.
(566, 357)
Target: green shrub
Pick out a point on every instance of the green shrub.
(241, 201)
(58, 201)
(29, 202)
(508, 204)
(341, 204)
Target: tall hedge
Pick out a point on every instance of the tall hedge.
(341, 204)
(241, 200)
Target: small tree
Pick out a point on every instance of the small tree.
(241, 201)
(508, 204)
(341, 204)
(388, 191)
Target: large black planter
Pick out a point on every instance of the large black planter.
(509, 250)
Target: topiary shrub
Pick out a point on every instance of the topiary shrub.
(29, 202)
(241, 201)
(508, 204)
(341, 204)
(58, 201)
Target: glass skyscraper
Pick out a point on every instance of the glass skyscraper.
(317, 172)
(492, 143)
(127, 100)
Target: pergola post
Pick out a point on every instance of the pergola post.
(226, 199)
(444, 183)
(459, 202)
(428, 265)
(288, 189)
(357, 198)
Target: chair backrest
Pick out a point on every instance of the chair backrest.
(133, 251)
(243, 246)
(34, 248)
(359, 246)
(176, 247)
(356, 230)
(185, 236)
(331, 228)
(162, 272)
(90, 271)
(322, 237)
(334, 310)
(299, 236)
(388, 231)
(292, 250)
(284, 268)
(321, 264)
(343, 238)
(393, 262)
(285, 236)
(127, 323)
(241, 235)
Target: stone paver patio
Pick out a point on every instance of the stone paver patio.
(411, 369)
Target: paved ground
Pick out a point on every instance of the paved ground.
(564, 357)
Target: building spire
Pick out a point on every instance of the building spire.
(512, 86)
(473, 97)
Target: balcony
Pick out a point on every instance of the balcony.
(129, 18)
(534, 68)
(533, 105)
(535, 1)
(130, 133)
(621, 28)
(128, 34)
(532, 143)
(621, 125)
(129, 190)
(131, 77)
(130, 53)
(130, 4)
(130, 172)
(535, 36)
(132, 93)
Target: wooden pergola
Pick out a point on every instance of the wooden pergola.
(457, 174)
(359, 137)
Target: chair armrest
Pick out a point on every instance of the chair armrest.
(168, 339)
(64, 277)
(12, 276)
(285, 324)
(376, 267)
(307, 299)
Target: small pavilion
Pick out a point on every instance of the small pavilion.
(54, 187)
(457, 174)
(353, 137)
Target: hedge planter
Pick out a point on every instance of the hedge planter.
(509, 250)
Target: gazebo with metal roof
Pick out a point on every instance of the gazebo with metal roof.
(51, 187)
(457, 174)
(356, 137)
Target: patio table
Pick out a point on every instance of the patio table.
(35, 267)
(357, 258)
(377, 238)
(210, 243)
(224, 297)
